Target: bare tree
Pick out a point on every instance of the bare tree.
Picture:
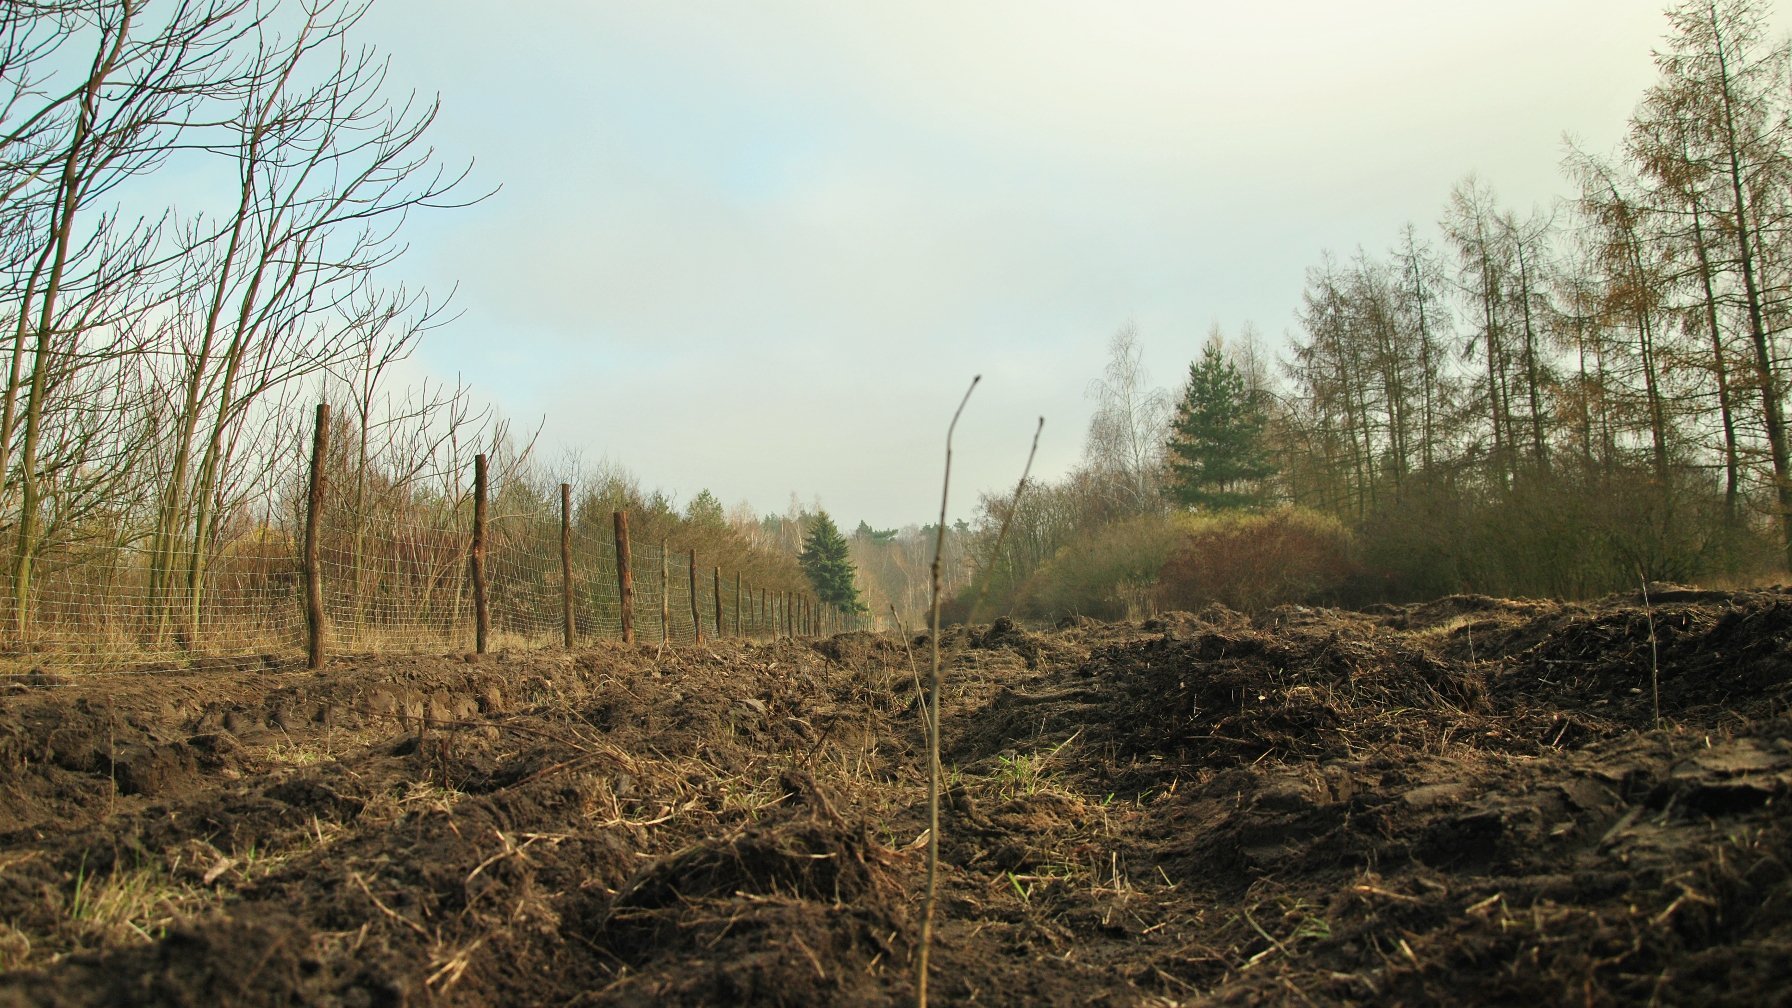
(1126, 434)
(146, 82)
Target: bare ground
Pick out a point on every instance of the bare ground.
(1468, 801)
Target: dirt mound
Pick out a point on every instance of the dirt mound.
(1237, 694)
(1709, 659)
(1460, 802)
(798, 909)
(861, 649)
(1457, 609)
(225, 960)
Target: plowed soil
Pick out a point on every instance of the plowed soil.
(1468, 801)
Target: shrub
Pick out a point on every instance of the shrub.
(1111, 574)
(1252, 561)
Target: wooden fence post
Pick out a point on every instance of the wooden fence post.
(696, 621)
(665, 594)
(482, 616)
(625, 578)
(314, 578)
(737, 603)
(721, 630)
(566, 593)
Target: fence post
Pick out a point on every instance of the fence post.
(625, 578)
(566, 562)
(314, 579)
(737, 603)
(665, 594)
(721, 630)
(482, 617)
(696, 621)
(789, 626)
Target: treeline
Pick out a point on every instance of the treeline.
(894, 568)
(1558, 402)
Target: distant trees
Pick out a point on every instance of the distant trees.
(1548, 402)
(1580, 379)
(866, 532)
(894, 567)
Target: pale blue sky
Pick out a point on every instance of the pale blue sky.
(761, 248)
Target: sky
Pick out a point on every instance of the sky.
(761, 248)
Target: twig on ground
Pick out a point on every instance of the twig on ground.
(1654, 653)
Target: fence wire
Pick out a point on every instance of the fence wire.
(389, 584)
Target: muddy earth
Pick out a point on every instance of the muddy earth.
(1467, 801)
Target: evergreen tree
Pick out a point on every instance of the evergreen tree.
(825, 562)
(1216, 453)
(865, 531)
(705, 510)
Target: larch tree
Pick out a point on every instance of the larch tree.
(1715, 137)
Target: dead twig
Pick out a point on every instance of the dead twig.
(931, 704)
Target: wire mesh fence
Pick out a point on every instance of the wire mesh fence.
(390, 581)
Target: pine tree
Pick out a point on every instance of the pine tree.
(1216, 450)
(825, 562)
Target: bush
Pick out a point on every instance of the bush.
(1112, 574)
(1565, 534)
(1252, 561)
